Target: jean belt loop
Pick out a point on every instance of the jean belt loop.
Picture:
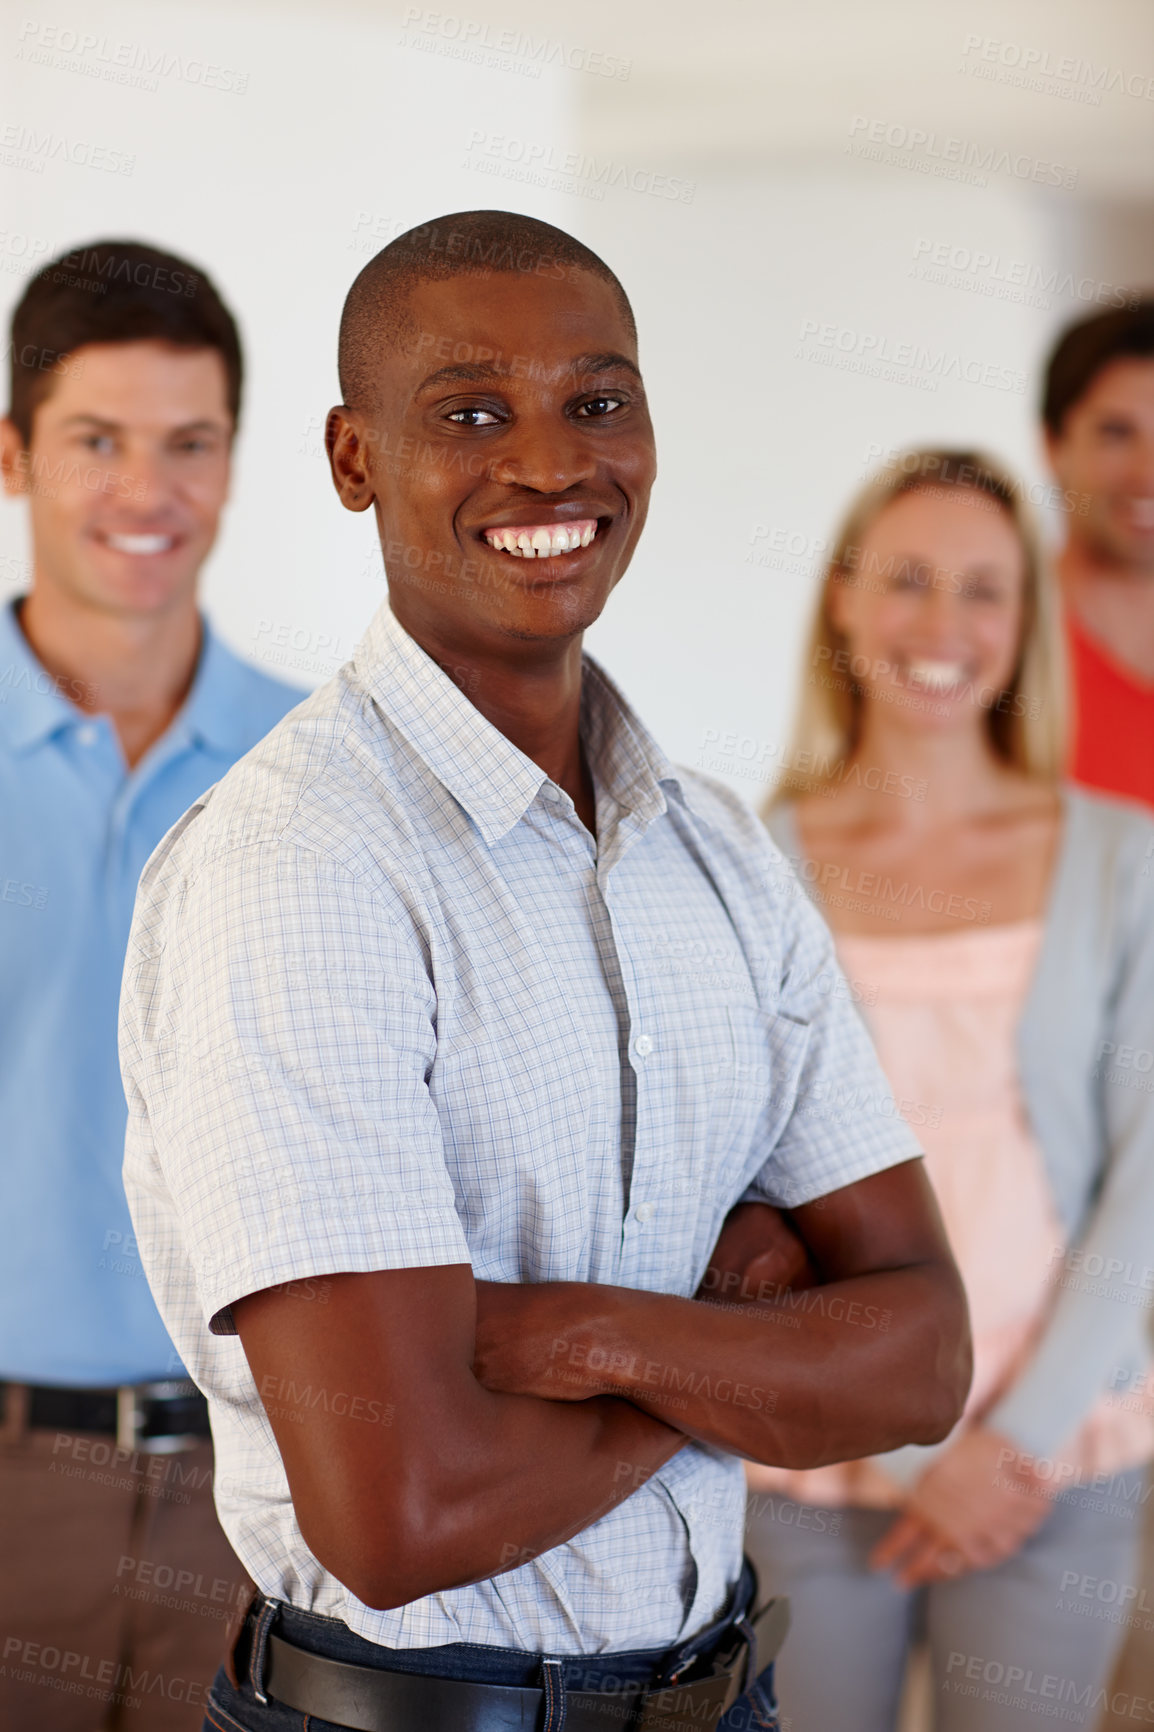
(264, 1624)
(553, 1684)
(752, 1669)
(14, 1425)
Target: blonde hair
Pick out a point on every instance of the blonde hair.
(1026, 726)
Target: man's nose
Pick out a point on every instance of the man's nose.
(144, 478)
(545, 454)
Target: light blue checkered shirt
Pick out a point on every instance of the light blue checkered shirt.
(388, 1004)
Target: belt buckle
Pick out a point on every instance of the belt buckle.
(130, 1417)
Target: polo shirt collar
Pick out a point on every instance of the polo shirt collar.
(486, 773)
(33, 702)
(216, 712)
(35, 705)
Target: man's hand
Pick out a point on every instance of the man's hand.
(966, 1512)
(522, 1348)
(877, 1356)
(758, 1256)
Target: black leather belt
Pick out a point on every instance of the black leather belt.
(367, 1699)
(157, 1418)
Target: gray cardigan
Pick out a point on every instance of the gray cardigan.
(1086, 1060)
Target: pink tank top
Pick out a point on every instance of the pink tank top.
(943, 1009)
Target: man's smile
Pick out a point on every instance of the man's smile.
(140, 544)
(541, 540)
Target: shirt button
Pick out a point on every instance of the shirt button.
(643, 1046)
(646, 1212)
(550, 791)
(86, 734)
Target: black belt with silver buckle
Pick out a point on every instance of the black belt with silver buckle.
(366, 1699)
(158, 1418)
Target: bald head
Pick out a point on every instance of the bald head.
(377, 317)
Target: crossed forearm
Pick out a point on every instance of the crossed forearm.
(797, 1379)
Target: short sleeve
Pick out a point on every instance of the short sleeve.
(832, 1118)
(278, 1028)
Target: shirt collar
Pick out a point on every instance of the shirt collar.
(35, 704)
(217, 711)
(490, 777)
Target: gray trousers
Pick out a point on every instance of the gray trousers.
(1030, 1642)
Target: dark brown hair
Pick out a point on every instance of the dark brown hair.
(113, 292)
(1085, 348)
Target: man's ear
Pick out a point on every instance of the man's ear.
(347, 441)
(13, 459)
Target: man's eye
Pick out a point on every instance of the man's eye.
(1114, 430)
(596, 407)
(473, 417)
(101, 442)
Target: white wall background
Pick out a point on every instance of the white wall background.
(354, 123)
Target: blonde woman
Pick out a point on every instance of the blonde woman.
(996, 928)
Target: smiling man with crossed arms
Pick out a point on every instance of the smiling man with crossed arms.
(436, 1123)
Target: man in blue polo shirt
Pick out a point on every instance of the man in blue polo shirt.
(118, 707)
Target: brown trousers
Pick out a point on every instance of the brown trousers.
(117, 1585)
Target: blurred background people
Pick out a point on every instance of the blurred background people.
(996, 928)
(118, 706)
(1098, 414)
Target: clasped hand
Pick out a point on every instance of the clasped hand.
(973, 1508)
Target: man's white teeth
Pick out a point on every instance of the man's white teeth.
(140, 543)
(544, 541)
(934, 675)
(1142, 511)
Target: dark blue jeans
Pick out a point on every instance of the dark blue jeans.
(233, 1708)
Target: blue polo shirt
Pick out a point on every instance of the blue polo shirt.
(76, 827)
